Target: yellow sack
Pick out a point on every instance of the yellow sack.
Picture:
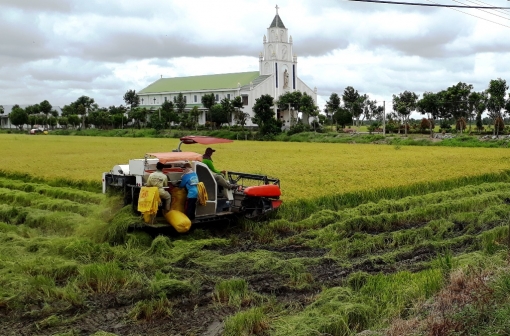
(148, 203)
(202, 194)
(178, 199)
(178, 220)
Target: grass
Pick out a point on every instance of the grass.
(253, 321)
(152, 309)
(232, 292)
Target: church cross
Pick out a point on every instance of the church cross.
(277, 9)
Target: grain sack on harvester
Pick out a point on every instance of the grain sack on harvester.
(253, 196)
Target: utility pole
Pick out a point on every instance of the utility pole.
(384, 119)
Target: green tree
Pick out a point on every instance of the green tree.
(180, 103)
(308, 108)
(228, 109)
(287, 102)
(18, 117)
(194, 115)
(218, 115)
(82, 106)
(63, 121)
(45, 108)
(2, 109)
(34, 116)
(477, 104)
(168, 114)
(332, 105)
(118, 115)
(52, 122)
(354, 102)
(496, 101)
(139, 115)
(295, 103)
(322, 119)
(291, 101)
(156, 122)
(74, 120)
(32, 120)
(507, 104)
(208, 100)
(242, 118)
(265, 115)
(457, 100)
(372, 111)
(238, 105)
(429, 105)
(100, 118)
(404, 104)
(342, 117)
(68, 110)
(131, 99)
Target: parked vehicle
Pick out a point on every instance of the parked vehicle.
(35, 131)
(255, 196)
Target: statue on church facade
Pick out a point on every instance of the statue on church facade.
(285, 79)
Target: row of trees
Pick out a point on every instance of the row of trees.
(85, 112)
(458, 102)
(355, 106)
(41, 114)
(174, 112)
(462, 104)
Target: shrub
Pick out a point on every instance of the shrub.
(298, 128)
(445, 125)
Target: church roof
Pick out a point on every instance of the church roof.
(277, 22)
(198, 83)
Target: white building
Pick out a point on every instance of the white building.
(278, 74)
(5, 122)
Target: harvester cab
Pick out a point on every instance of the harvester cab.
(256, 195)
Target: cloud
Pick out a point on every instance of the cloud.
(37, 6)
(22, 43)
(67, 70)
(61, 49)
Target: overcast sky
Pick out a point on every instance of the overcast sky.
(62, 49)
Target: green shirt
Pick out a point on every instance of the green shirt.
(210, 164)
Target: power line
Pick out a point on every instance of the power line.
(506, 18)
(427, 5)
(478, 2)
(478, 17)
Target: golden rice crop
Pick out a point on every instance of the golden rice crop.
(305, 169)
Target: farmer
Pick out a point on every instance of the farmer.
(190, 181)
(160, 180)
(218, 175)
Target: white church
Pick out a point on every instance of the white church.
(278, 74)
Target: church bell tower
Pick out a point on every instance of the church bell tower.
(278, 57)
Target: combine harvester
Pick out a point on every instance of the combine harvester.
(255, 196)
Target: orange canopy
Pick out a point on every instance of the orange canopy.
(177, 156)
(203, 140)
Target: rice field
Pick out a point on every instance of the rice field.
(306, 170)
